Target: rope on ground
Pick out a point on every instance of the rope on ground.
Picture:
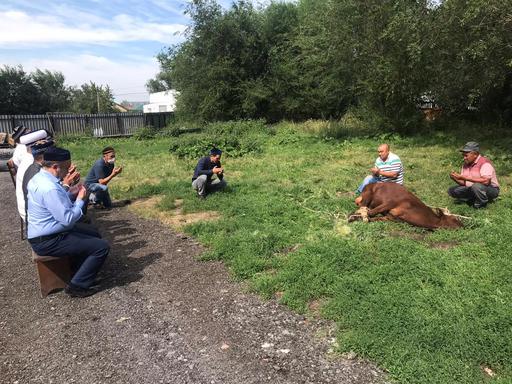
(324, 214)
(446, 211)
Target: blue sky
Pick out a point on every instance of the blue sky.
(109, 42)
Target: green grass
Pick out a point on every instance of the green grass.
(429, 307)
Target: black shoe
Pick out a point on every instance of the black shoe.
(201, 196)
(74, 291)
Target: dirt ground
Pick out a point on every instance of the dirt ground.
(161, 317)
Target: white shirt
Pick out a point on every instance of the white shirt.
(19, 153)
(26, 161)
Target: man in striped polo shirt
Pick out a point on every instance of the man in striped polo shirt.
(388, 168)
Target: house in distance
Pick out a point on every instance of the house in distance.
(161, 102)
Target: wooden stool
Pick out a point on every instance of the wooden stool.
(54, 272)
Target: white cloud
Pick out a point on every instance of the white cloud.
(127, 79)
(19, 28)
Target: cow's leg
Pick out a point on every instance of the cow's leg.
(379, 209)
(413, 218)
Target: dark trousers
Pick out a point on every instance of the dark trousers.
(478, 194)
(86, 249)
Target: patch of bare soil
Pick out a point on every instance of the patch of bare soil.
(175, 218)
(315, 306)
(162, 316)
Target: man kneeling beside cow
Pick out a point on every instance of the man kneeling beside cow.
(477, 185)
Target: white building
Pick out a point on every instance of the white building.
(161, 102)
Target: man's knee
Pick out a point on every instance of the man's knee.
(101, 247)
(478, 188)
(458, 191)
(200, 181)
(97, 187)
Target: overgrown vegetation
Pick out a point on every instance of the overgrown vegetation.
(236, 138)
(317, 59)
(430, 307)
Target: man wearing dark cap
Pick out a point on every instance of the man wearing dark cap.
(206, 168)
(37, 151)
(100, 175)
(51, 223)
(477, 182)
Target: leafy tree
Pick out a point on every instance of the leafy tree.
(37, 92)
(92, 98)
(18, 94)
(54, 95)
(317, 59)
(473, 65)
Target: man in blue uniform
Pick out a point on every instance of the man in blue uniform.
(206, 168)
(51, 223)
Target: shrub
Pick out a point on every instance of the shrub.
(171, 130)
(145, 133)
(235, 138)
(237, 128)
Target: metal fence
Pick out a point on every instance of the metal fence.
(98, 125)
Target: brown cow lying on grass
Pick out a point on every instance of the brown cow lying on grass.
(395, 202)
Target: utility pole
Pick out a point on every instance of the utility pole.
(98, 98)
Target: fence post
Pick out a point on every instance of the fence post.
(52, 123)
(120, 127)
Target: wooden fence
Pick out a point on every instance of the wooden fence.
(98, 125)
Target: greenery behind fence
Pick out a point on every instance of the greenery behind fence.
(318, 59)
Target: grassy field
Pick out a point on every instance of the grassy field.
(429, 307)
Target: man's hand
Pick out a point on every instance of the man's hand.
(457, 176)
(116, 171)
(82, 192)
(72, 177)
(375, 171)
(218, 170)
(73, 191)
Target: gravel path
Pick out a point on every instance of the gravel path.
(162, 317)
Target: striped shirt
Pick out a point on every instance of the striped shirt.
(392, 164)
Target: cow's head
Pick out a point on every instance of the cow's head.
(450, 221)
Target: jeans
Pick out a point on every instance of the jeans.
(367, 180)
(478, 194)
(203, 186)
(86, 250)
(101, 193)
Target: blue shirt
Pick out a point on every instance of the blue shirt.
(205, 167)
(49, 208)
(99, 170)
